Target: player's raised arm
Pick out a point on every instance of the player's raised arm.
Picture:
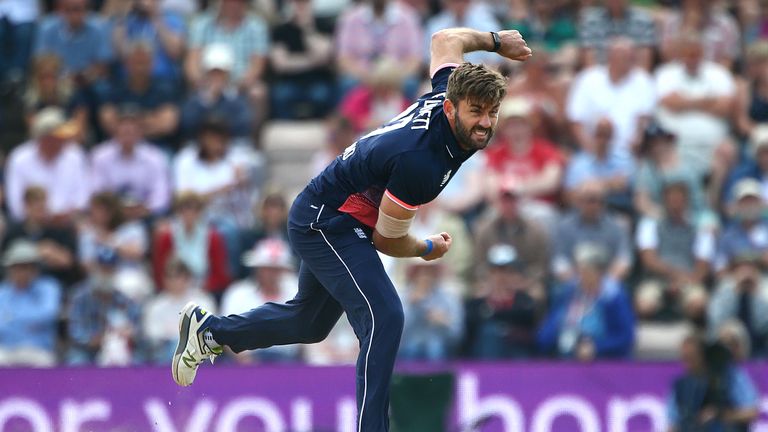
(391, 234)
(450, 45)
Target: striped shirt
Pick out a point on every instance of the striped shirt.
(250, 38)
(364, 37)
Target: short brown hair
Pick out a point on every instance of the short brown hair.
(34, 194)
(111, 203)
(477, 83)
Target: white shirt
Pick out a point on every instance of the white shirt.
(698, 132)
(244, 295)
(594, 96)
(66, 178)
(190, 173)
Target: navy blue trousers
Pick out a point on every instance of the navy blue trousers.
(340, 272)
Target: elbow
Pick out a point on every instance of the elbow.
(443, 38)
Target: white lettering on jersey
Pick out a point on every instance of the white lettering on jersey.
(398, 122)
(348, 151)
(446, 178)
(424, 116)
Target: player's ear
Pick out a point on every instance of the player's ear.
(449, 108)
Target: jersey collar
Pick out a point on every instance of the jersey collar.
(452, 145)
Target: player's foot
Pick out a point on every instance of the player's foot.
(191, 351)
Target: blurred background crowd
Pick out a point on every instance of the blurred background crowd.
(151, 149)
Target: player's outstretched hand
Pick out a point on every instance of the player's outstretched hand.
(441, 243)
(513, 46)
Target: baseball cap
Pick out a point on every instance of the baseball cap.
(591, 254)
(758, 138)
(505, 256)
(52, 121)
(269, 253)
(106, 256)
(515, 107)
(747, 187)
(656, 130)
(21, 252)
(218, 56)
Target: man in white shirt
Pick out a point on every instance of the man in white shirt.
(52, 161)
(619, 91)
(272, 280)
(695, 103)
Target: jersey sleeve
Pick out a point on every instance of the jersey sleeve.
(440, 77)
(405, 186)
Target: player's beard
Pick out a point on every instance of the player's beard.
(467, 139)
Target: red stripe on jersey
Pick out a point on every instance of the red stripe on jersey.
(361, 208)
(400, 202)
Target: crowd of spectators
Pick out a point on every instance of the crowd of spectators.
(622, 204)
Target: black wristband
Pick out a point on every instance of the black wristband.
(496, 42)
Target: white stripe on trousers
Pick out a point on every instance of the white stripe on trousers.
(370, 342)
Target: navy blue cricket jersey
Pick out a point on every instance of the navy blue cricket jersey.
(410, 159)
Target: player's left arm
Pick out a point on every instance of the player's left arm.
(391, 236)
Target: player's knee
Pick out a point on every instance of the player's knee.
(391, 317)
(316, 334)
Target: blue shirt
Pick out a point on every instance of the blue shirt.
(411, 159)
(586, 166)
(158, 93)
(138, 28)
(78, 50)
(742, 393)
(28, 316)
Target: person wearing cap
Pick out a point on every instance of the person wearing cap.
(245, 33)
(434, 315)
(742, 295)
(502, 316)
(217, 95)
(30, 305)
(755, 167)
(157, 99)
(532, 165)
(661, 163)
(599, 163)
(165, 29)
(161, 329)
(676, 254)
(50, 160)
(302, 57)
(128, 164)
(104, 324)
(590, 221)
(509, 226)
(48, 86)
(56, 243)
(272, 279)
(619, 91)
(747, 230)
(591, 317)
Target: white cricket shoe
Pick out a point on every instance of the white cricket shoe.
(191, 351)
